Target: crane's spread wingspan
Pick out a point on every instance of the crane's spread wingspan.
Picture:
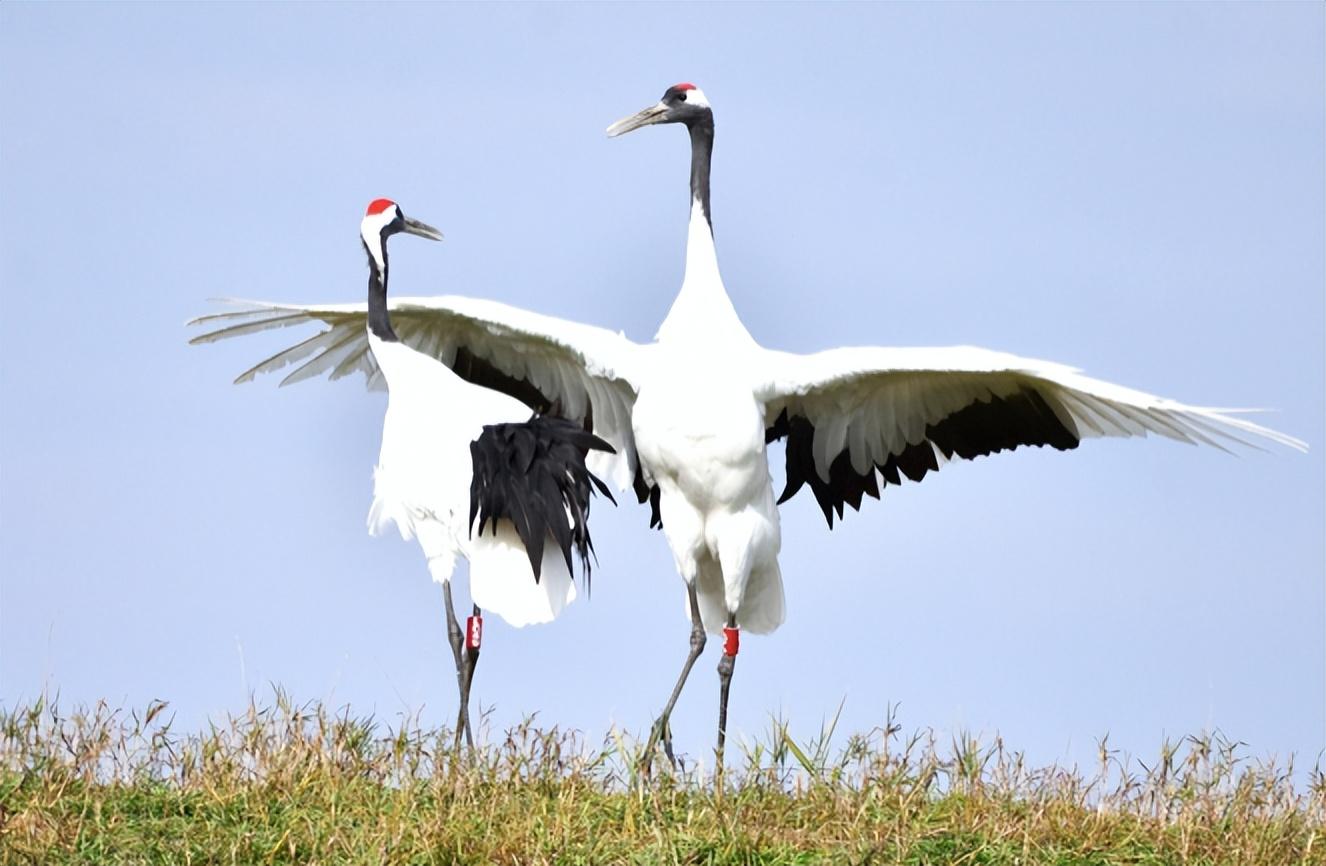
(554, 366)
(848, 413)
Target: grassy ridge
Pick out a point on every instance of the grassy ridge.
(291, 784)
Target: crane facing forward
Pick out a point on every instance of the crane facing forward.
(690, 414)
(453, 454)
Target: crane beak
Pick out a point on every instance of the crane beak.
(651, 115)
(423, 230)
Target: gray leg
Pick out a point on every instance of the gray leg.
(471, 659)
(725, 666)
(661, 731)
(454, 637)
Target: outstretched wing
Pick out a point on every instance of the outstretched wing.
(851, 413)
(566, 369)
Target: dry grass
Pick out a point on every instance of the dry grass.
(302, 784)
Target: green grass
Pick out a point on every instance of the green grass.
(303, 784)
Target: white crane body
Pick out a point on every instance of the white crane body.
(465, 470)
(421, 484)
(704, 448)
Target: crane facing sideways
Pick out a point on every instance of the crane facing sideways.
(690, 414)
(453, 452)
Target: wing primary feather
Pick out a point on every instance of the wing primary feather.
(1198, 424)
(1252, 428)
(327, 359)
(300, 350)
(1081, 413)
(268, 324)
(1117, 424)
(353, 361)
(233, 316)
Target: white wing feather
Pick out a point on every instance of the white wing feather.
(879, 400)
(581, 367)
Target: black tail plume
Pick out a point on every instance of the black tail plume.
(533, 474)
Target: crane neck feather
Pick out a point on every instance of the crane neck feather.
(702, 312)
(702, 153)
(379, 321)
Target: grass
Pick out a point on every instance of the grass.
(304, 784)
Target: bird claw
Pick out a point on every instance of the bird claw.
(659, 732)
(663, 733)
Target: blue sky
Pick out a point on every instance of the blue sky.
(1134, 190)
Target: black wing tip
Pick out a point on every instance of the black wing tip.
(646, 492)
(979, 428)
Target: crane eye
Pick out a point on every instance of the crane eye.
(682, 96)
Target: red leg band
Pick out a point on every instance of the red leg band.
(474, 632)
(731, 641)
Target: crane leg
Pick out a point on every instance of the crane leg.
(457, 650)
(660, 731)
(471, 659)
(725, 665)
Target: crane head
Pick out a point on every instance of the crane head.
(681, 103)
(384, 218)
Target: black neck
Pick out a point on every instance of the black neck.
(378, 320)
(702, 151)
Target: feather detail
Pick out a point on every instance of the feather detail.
(533, 474)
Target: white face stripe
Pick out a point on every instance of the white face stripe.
(696, 96)
(371, 231)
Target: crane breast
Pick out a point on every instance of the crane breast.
(703, 439)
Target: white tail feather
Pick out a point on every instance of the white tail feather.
(501, 580)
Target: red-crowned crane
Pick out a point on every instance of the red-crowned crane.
(691, 413)
(457, 460)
